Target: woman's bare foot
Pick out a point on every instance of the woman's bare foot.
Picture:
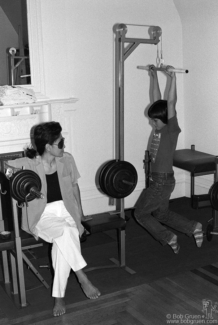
(90, 291)
(59, 307)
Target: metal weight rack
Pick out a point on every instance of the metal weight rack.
(122, 52)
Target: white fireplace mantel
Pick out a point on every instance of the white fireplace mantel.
(36, 107)
(16, 122)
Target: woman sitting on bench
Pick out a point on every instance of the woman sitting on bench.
(57, 217)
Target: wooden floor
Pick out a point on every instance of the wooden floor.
(172, 300)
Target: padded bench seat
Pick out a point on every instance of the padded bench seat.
(194, 161)
(197, 163)
(103, 222)
(26, 240)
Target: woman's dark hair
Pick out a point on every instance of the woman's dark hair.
(159, 110)
(42, 134)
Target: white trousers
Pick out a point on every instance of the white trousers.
(58, 227)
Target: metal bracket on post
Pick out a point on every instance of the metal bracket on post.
(121, 54)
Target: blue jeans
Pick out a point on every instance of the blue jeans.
(152, 209)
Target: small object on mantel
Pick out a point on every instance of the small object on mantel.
(5, 235)
(15, 95)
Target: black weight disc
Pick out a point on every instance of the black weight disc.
(213, 193)
(121, 179)
(102, 175)
(208, 232)
(21, 183)
(106, 174)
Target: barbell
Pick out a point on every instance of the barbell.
(118, 179)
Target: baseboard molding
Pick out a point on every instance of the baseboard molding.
(94, 201)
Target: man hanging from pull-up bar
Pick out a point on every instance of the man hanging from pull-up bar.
(152, 208)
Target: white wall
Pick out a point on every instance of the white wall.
(78, 47)
(200, 50)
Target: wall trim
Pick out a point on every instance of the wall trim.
(94, 201)
(36, 47)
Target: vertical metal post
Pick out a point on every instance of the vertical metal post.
(215, 212)
(119, 90)
(11, 66)
(4, 253)
(119, 123)
(121, 53)
(147, 168)
(14, 274)
(5, 267)
(19, 257)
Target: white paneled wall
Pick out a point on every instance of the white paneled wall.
(200, 50)
(78, 47)
(72, 55)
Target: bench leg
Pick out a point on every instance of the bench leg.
(20, 270)
(5, 267)
(14, 274)
(122, 247)
(122, 252)
(192, 189)
(34, 270)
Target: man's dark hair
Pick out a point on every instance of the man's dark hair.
(159, 110)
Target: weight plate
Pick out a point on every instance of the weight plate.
(116, 187)
(120, 179)
(102, 175)
(208, 232)
(213, 193)
(106, 175)
(21, 183)
(124, 180)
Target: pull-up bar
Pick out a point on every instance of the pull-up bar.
(163, 68)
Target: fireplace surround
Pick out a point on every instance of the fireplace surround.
(16, 122)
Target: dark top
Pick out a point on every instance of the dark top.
(163, 146)
(53, 188)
